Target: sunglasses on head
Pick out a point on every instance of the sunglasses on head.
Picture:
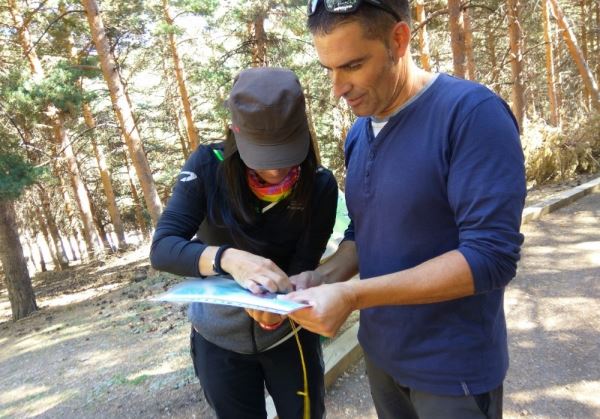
(348, 6)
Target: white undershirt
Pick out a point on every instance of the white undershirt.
(378, 124)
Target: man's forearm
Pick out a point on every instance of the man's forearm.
(342, 266)
(443, 278)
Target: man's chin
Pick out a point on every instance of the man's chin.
(360, 111)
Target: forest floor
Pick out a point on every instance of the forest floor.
(98, 348)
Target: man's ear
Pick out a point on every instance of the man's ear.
(400, 39)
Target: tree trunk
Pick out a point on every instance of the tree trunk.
(423, 36)
(180, 74)
(469, 45)
(113, 210)
(100, 160)
(550, 78)
(32, 223)
(584, 71)
(43, 266)
(457, 37)
(173, 112)
(82, 198)
(597, 50)
(28, 246)
(137, 204)
(49, 242)
(311, 125)
(25, 41)
(72, 222)
(584, 46)
(259, 51)
(516, 51)
(491, 48)
(61, 254)
(123, 110)
(18, 282)
(58, 130)
(97, 216)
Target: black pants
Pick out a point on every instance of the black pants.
(393, 401)
(234, 383)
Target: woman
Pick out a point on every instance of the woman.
(262, 211)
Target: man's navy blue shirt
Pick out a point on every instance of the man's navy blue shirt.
(445, 173)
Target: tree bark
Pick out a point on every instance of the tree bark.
(61, 255)
(137, 204)
(584, 45)
(597, 50)
(123, 110)
(113, 210)
(49, 242)
(571, 40)
(469, 45)
(180, 75)
(311, 125)
(104, 237)
(18, 282)
(82, 198)
(29, 248)
(60, 136)
(32, 223)
(72, 222)
(491, 48)
(550, 77)
(25, 40)
(516, 51)
(423, 36)
(457, 37)
(259, 51)
(43, 266)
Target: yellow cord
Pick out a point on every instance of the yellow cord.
(304, 375)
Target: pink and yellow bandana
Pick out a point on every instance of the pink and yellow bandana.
(272, 193)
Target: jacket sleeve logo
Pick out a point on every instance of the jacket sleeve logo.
(189, 176)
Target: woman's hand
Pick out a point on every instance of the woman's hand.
(266, 319)
(255, 273)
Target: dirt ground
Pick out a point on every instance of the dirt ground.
(97, 348)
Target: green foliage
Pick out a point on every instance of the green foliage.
(164, 28)
(198, 7)
(15, 175)
(30, 97)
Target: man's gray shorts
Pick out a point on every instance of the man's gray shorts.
(393, 401)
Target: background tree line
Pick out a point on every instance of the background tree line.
(101, 102)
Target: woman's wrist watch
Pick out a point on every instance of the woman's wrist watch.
(216, 266)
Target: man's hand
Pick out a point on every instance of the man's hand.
(331, 304)
(307, 279)
(255, 273)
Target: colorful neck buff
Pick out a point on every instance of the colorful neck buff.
(272, 193)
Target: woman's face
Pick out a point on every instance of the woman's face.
(273, 176)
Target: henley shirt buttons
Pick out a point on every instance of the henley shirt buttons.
(372, 155)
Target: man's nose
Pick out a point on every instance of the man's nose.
(340, 84)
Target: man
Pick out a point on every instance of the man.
(435, 189)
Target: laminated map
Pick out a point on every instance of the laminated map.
(225, 291)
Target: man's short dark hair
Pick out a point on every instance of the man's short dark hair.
(376, 23)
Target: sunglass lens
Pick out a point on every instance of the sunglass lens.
(312, 6)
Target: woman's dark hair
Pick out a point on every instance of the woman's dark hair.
(233, 205)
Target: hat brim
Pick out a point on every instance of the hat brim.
(286, 152)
